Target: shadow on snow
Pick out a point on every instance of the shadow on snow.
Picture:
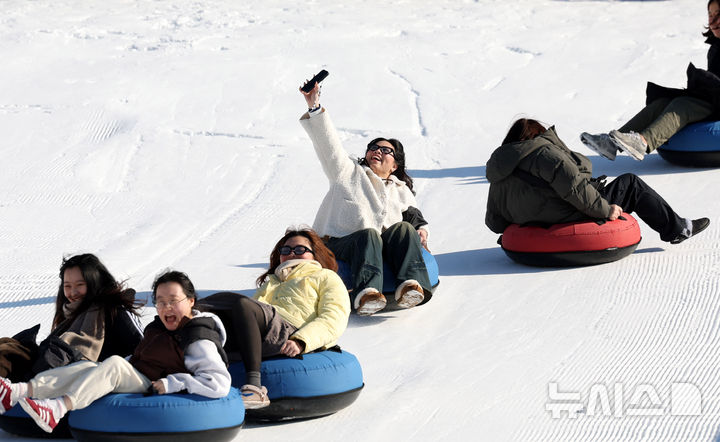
(470, 174)
(653, 164)
(28, 302)
(493, 261)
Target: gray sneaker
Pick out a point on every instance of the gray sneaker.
(600, 143)
(630, 142)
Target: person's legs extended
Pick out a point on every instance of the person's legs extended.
(403, 253)
(362, 250)
(663, 118)
(249, 327)
(634, 195)
(86, 383)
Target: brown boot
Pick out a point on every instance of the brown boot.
(369, 301)
(409, 294)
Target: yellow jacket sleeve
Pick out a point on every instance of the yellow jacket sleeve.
(333, 311)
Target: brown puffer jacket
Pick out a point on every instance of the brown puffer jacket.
(540, 181)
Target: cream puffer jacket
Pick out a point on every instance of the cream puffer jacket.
(311, 298)
(357, 199)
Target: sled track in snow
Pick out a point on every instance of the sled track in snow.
(415, 102)
(100, 126)
(21, 108)
(673, 341)
(69, 197)
(21, 291)
(245, 202)
(222, 230)
(55, 174)
(128, 163)
(58, 166)
(207, 133)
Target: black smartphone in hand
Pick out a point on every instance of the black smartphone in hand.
(320, 76)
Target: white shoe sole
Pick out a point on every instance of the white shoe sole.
(36, 417)
(8, 392)
(410, 299)
(594, 147)
(371, 307)
(632, 152)
(255, 405)
(628, 149)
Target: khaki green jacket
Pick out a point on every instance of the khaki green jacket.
(567, 196)
(311, 298)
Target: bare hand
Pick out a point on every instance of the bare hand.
(312, 98)
(291, 348)
(159, 387)
(423, 238)
(615, 213)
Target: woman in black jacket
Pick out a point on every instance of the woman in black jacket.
(93, 320)
(668, 110)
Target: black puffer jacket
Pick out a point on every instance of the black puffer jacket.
(706, 84)
(540, 181)
(714, 55)
(701, 83)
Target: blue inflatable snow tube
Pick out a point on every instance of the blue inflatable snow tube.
(167, 417)
(389, 284)
(17, 421)
(317, 385)
(696, 145)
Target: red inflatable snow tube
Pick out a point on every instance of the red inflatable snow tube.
(572, 244)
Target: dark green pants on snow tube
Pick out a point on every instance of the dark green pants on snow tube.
(364, 251)
(662, 118)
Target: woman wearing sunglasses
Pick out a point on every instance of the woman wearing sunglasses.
(301, 306)
(369, 212)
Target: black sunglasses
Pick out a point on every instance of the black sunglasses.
(383, 149)
(297, 250)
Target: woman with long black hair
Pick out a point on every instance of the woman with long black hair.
(93, 320)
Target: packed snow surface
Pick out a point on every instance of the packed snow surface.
(165, 134)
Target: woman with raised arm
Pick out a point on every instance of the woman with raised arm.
(668, 110)
(535, 178)
(369, 213)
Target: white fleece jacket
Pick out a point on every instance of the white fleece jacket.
(357, 199)
(208, 375)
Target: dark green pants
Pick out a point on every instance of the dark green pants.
(664, 117)
(364, 251)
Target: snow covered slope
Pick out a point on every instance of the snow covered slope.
(165, 134)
